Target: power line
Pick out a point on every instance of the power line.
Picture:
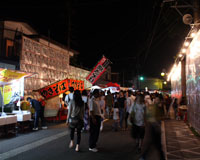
(153, 34)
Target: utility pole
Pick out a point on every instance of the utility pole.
(69, 25)
(183, 76)
(196, 12)
(123, 78)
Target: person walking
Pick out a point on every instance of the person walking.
(109, 104)
(102, 106)
(39, 114)
(86, 110)
(175, 107)
(129, 103)
(95, 120)
(153, 121)
(167, 102)
(69, 97)
(137, 118)
(75, 118)
(116, 113)
(121, 101)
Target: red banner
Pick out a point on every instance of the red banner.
(61, 87)
(98, 70)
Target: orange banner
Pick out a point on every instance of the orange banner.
(61, 87)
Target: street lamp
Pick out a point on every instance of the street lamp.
(163, 74)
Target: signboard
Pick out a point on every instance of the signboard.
(98, 70)
(13, 92)
(61, 87)
(12, 85)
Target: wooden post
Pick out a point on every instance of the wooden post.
(183, 77)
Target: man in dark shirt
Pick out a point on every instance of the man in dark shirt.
(38, 113)
(121, 101)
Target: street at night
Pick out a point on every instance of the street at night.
(112, 145)
(100, 80)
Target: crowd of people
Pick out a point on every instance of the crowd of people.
(87, 111)
(137, 112)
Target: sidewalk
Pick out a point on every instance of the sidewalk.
(179, 141)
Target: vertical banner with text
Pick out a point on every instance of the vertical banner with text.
(98, 70)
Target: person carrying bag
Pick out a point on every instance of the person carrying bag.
(75, 118)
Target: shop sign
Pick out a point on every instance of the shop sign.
(13, 92)
(98, 70)
(61, 87)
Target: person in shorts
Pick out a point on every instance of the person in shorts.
(137, 118)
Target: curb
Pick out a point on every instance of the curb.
(163, 139)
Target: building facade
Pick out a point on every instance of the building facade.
(192, 81)
(22, 47)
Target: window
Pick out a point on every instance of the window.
(9, 48)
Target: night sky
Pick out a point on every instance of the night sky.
(121, 30)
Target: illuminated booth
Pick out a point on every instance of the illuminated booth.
(11, 94)
(53, 94)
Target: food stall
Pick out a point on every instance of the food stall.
(11, 93)
(53, 95)
(112, 87)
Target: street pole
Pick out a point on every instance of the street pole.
(183, 77)
(69, 25)
(196, 12)
(123, 78)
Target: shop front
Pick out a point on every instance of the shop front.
(11, 95)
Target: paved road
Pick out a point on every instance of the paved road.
(112, 146)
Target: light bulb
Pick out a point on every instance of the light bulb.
(186, 44)
(183, 50)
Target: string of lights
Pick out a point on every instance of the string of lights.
(186, 44)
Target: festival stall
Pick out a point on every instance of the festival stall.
(92, 88)
(113, 87)
(11, 94)
(53, 95)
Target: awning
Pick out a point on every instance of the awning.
(7, 75)
(110, 84)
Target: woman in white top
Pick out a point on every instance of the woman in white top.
(129, 103)
(116, 112)
(102, 105)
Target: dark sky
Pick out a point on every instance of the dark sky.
(119, 29)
